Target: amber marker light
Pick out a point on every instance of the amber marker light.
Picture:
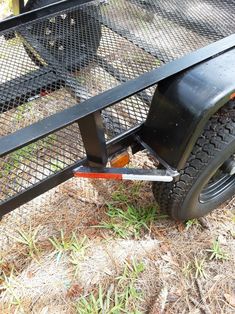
(120, 160)
(232, 96)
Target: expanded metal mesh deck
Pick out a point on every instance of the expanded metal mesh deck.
(56, 62)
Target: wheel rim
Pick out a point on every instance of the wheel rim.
(220, 182)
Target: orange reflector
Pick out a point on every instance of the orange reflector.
(120, 161)
(232, 96)
(97, 175)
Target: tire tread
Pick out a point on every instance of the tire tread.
(217, 134)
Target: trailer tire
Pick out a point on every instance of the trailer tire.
(75, 54)
(208, 179)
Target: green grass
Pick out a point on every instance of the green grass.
(61, 245)
(199, 267)
(130, 221)
(16, 157)
(121, 297)
(216, 252)
(10, 282)
(187, 269)
(124, 194)
(27, 153)
(56, 165)
(195, 268)
(70, 245)
(126, 218)
(192, 222)
(22, 110)
(78, 250)
(29, 240)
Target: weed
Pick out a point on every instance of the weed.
(119, 195)
(22, 110)
(157, 63)
(199, 266)
(72, 245)
(187, 269)
(56, 165)
(25, 153)
(192, 222)
(29, 240)
(216, 252)
(124, 195)
(9, 284)
(94, 304)
(129, 222)
(61, 245)
(131, 271)
(78, 252)
(121, 297)
(16, 158)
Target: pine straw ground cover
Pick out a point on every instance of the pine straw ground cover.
(103, 247)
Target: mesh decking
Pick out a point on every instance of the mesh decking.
(54, 63)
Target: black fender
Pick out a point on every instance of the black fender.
(182, 105)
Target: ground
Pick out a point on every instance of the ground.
(96, 246)
(92, 246)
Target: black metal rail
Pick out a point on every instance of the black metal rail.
(29, 17)
(26, 87)
(62, 119)
(123, 141)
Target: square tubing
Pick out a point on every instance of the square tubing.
(92, 132)
(17, 6)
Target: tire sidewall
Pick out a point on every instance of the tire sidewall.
(191, 208)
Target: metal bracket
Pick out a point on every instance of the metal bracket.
(92, 131)
(170, 170)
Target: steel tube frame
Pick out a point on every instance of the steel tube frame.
(110, 97)
(113, 146)
(30, 16)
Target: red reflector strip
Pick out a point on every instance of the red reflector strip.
(97, 175)
(125, 174)
(119, 176)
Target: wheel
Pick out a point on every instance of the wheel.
(208, 179)
(72, 38)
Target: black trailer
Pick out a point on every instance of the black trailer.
(83, 81)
